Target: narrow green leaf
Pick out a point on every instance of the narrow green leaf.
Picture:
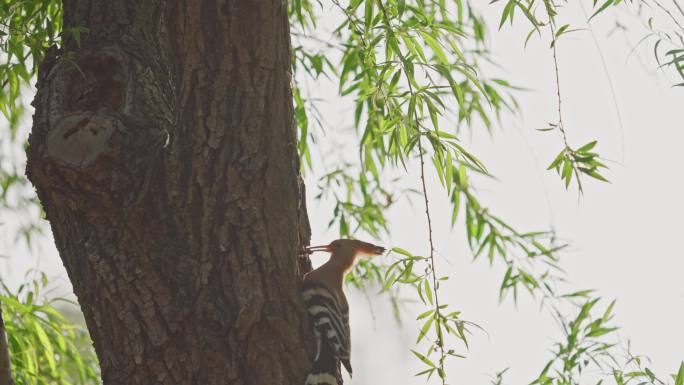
(556, 161)
(424, 330)
(423, 358)
(435, 46)
(428, 292)
(401, 251)
(679, 380)
(587, 147)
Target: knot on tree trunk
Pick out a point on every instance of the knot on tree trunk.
(87, 136)
(102, 150)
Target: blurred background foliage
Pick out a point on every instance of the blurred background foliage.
(419, 75)
(45, 347)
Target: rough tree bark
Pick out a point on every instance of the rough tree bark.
(163, 151)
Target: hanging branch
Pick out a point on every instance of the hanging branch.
(433, 271)
(431, 261)
(570, 161)
(561, 126)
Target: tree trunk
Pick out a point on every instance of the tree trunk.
(5, 365)
(163, 151)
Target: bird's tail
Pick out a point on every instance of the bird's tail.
(325, 370)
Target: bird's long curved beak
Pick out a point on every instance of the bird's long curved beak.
(371, 249)
(312, 249)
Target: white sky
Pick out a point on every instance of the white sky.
(624, 235)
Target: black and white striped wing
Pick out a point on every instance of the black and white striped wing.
(331, 323)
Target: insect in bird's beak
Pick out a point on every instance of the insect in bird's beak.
(312, 249)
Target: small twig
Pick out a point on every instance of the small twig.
(561, 127)
(558, 91)
(432, 245)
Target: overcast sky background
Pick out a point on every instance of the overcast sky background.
(625, 236)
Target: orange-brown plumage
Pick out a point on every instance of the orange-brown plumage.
(343, 253)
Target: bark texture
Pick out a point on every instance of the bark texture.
(163, 151)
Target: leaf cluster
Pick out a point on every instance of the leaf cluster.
(45, 348)
(582, 161)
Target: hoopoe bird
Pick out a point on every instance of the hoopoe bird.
(329, 310)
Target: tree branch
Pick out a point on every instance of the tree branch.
(5, 366)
